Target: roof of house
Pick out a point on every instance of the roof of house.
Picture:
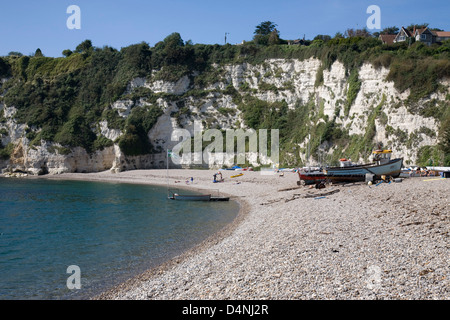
(422, 30)
(404, 31)
(407, 32)
(387, 38)
(442, 33)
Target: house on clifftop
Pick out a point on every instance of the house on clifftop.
(403, 35)
(387, 38)
(442, 35)
(423, 35)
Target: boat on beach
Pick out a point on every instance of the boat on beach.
(219, 198)
(189, 197)
(197, 197)
(308, 177)
(443, 171)
(382, 165)
(201, 197)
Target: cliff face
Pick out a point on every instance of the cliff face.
(376, 104)
(295, 82)
(52, 158)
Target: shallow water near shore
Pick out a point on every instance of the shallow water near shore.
(111, 231)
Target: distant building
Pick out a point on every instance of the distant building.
(424, 35)
(297, 42)
(442, 35)
(403, 35)
(387, 38)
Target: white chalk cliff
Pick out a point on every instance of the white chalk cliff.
(294, 80)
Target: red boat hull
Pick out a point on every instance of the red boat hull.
(311, 177)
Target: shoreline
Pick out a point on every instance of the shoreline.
(287, 242)
(211, 240)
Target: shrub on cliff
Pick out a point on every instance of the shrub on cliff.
(135, 140)
(5, 69)
(76, 133)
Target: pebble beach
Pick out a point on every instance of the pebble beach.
(288, 242)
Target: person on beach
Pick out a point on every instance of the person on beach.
(216, 179)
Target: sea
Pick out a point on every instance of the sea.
(64, 240)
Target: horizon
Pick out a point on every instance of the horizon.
(27, 27)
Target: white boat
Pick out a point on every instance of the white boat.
(190, 197)
(439, 169)
(382, 166)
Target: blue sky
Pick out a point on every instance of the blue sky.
(29, 24)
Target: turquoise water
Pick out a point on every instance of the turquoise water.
(111, 231)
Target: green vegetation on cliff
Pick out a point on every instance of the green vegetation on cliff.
(63, 99)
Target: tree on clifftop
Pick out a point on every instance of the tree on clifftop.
(390, 30)
(85, 46)
(274, 38)
(173, 40)
(38, 53)
(67, 52)
(265, 28)
(265, 31)
(172, 49)
(350, 33)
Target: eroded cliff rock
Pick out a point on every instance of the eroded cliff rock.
(185, 103)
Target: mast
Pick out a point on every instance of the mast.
(309, 150)
(167, 170)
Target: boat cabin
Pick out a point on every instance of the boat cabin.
(382, 156)
(345, 162)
